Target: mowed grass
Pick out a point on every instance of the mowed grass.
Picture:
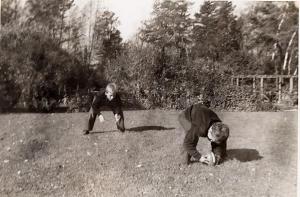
(47, 155)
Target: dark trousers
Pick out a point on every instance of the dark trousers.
(93, 113)
(190, 143)
(187, 147)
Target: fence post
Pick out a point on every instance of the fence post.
(231, 81)
(254, 85)
(279, 89)
(261, 86)
(65, 90)
(291, 84)
(237, 81)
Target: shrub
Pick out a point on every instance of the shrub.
(10, 90)
(37, 65)
(78, 103)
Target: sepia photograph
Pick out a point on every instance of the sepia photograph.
(134, 98)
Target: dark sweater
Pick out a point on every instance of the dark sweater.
(196, 121)
(100, 100)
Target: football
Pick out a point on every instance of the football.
(208, 159)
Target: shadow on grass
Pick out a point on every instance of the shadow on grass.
(147, 128)
(99, 132)
(243, 154)
(136, 129)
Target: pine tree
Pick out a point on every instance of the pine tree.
(49, 16)
(216, 31)
(107, 37)
(205, 31)
(169, 27)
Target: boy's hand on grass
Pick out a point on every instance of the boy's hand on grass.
(101, 118)
(193, 159)
(117, 117)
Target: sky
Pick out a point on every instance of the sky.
(131, 13)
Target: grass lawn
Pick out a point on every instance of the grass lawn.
(47, 155)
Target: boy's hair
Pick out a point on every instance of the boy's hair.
(220, 131)
(112, 86)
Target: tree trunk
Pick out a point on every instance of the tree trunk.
(62, 22)
(290, 60)
(277, 32)
(287, 51)
(69, 34)
(91, 35)
(295, 71)
(0, 17)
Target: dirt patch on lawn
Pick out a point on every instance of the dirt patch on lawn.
(34, 148)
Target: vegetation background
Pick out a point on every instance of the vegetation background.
(55, 54)
(52, 51)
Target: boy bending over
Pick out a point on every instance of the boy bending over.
(110, 98)
(199, 121)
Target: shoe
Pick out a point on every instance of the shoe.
(188, 159)
(121, 129)
(86, 132)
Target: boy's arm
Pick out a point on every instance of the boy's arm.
(96, 103)
(190, 144)
(94, 110)
(219, 151)
(95, 107)
(117, 105)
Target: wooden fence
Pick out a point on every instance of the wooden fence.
(279, 81)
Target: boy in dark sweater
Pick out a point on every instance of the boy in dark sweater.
(110, 98)
(200, 121)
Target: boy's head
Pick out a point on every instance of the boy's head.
(218, 132)
(110, 91)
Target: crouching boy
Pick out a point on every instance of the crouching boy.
(110, 98)
(200, 121)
